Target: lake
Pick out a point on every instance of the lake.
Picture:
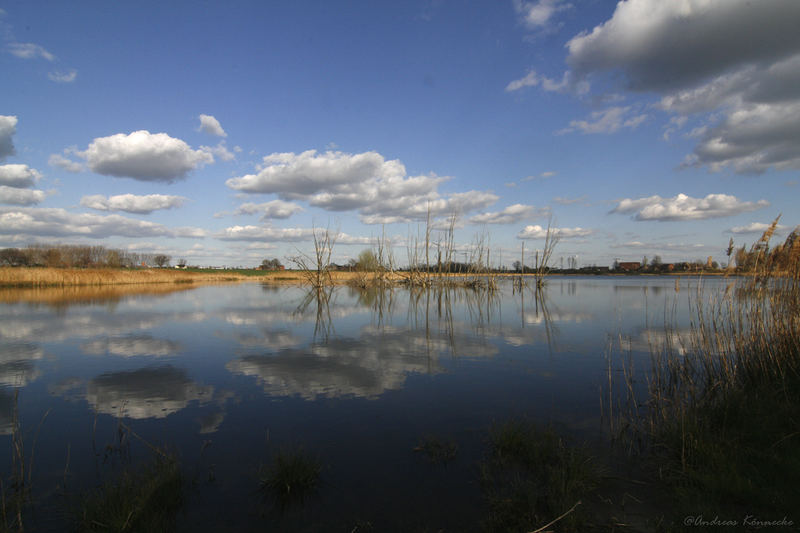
(226, 376)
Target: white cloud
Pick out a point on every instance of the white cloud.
(566, 84)
(273, 209)
(694, 55)
(210, 125)
(58, 160)
(59, 76)
(132, 203)
(683, 207)
(143, 156)
(8, 127)
(378, 189)
(30, 51)
(15, 196)
(538, 13)
(510, 215)
(55, 222)
(20, 176)
(607, 121)
(755, 227)
(220, 150)
(539, 232)
(265, 234)
(530, 80)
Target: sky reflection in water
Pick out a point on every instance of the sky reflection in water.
(349, 374)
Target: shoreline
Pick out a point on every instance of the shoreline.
(29, 277)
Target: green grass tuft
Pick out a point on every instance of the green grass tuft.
(293, 476)
(145, 500)
(531, 477)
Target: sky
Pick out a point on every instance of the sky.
(226, 133)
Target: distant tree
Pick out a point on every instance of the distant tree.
(271, 264)
(644, 261)
(615, 266)
(162, 260)
(182, 262)
(113, 259)
(517, 266)
(13, 257)
(655, 262)
(729, 251)
(367, 261)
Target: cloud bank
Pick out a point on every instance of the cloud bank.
(378, 189)
(683, 207)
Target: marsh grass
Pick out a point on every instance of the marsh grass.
(291, 478)
(531, 478)
(720, 419)
(144, 499)
(60, 277)
(437, 451)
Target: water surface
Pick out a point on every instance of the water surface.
(226, 375)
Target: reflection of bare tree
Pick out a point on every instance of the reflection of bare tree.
(379, 298)
(541, 314)
(321, 296)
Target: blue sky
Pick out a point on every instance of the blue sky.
(224, 132)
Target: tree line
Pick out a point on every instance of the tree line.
(79, 256)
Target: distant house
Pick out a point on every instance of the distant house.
(630, 266)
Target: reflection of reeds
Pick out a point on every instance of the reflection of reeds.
(65, 296)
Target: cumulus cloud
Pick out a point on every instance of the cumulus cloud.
(8, 127)
(608, 120)
(210, 125)
(694, 55)
(30, 51)
(539, 232)
(683, 207)
(58, 160)
(268, 210)
(510, 215)
(21, 222)
(132, 203)
(538, 13)
(59, 76)
(378, 189)
(755, 227)
(14, 196)
(143, 156)
(18, 176)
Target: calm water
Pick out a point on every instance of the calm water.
(227, 375)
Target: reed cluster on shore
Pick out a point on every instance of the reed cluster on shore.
(721, 413)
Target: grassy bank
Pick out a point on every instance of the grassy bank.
(720, 423)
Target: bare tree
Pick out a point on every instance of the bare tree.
(552, 236)
(316, 267)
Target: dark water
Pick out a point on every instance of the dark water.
(226, 375)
